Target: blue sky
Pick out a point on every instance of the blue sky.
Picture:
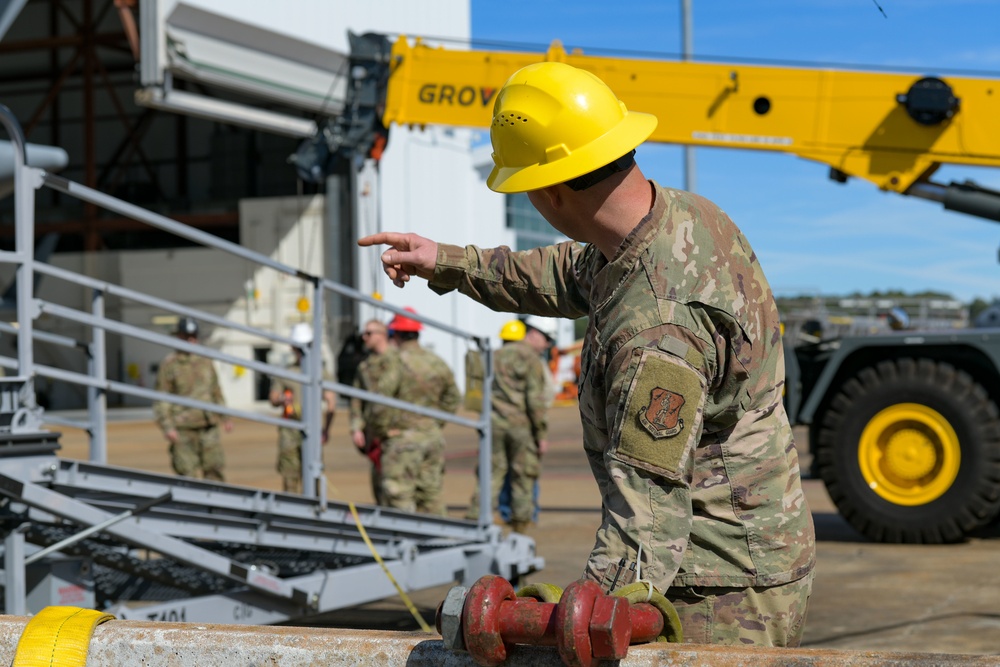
(813, 236)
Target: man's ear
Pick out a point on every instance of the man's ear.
(553, 195)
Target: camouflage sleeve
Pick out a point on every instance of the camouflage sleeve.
(356, 419)
(386, 382)
(390, 376)
(656, 404)
(217, 396)
(276, 390)
(541, 281)
(537, 399)
(162, 409)
(451, 398)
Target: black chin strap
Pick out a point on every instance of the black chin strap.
(599, 174)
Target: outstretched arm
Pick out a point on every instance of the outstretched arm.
(542, 281)
(410, 255)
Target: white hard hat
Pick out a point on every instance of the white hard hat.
(547, 325)
(302, 334)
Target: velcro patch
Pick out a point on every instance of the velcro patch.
(663, 412)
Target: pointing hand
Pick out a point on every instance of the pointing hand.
(409, 255)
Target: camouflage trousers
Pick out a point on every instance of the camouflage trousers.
(290, 459)
(198, 450)
(514, 450)
(413, 472)
(759, 616)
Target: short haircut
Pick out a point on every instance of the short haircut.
(377, 324)
(405, 335)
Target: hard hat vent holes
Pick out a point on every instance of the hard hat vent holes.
(509, 119)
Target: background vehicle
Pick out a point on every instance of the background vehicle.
(904, 428)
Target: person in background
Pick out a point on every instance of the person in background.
(369, 420)
(682, 366)
(288, 396)
(540, 334)
(194, 435)
(519, 398)
(413, 449)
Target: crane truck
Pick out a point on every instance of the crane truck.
(904, 428)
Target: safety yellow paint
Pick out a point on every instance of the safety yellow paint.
(849, 120)
(909, 454)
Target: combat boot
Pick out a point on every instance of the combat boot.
(520, 527)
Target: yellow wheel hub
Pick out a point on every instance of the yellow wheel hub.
(909, 454)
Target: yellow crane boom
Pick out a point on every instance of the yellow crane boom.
(891, 129)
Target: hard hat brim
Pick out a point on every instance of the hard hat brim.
(634, 129)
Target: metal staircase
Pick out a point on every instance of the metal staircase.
(160, 547)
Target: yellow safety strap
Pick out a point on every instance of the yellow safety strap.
(58, 637)
(399, 589)
(639, 591)
(541, 592)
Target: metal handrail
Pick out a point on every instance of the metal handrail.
(28, 179)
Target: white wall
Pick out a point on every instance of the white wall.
(326, 22)
(431, 187)
(287, 229)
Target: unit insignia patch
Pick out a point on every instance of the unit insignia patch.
(662, 417)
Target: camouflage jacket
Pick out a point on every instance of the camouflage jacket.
(520, 393)
(282, 385)
(372, 418)
(423, 378)
(190, 376)
(680, 393)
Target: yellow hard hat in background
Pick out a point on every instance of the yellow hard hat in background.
(513, 330)
(553, 122)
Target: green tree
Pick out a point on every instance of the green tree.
(977, 306)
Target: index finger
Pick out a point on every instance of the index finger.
(394, 239)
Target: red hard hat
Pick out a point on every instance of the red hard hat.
(403, 323)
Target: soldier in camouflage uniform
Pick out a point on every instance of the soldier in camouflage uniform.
(540, 333)
(519, 400)
(193, 434)
(413, 449)
(368, 419)
(681, 384)
(288, 395)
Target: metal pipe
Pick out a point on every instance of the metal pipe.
(967, 197)
(486, 440)
(15, 587)
(97, 398)
(133, 390)
(687, 51)
(928, 190)
(221, 111)
(126, 209)
(87, 532)
(156, 302)
(312, 397)
(46, 337)
(24, 224)
(121, 328)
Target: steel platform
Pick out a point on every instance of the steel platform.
(190, 550)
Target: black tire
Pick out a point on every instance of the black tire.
(954, 478)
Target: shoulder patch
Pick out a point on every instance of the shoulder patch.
(662, 413)
(662, 417)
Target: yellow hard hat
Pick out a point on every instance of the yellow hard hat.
(553, 122)
(513, 330)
